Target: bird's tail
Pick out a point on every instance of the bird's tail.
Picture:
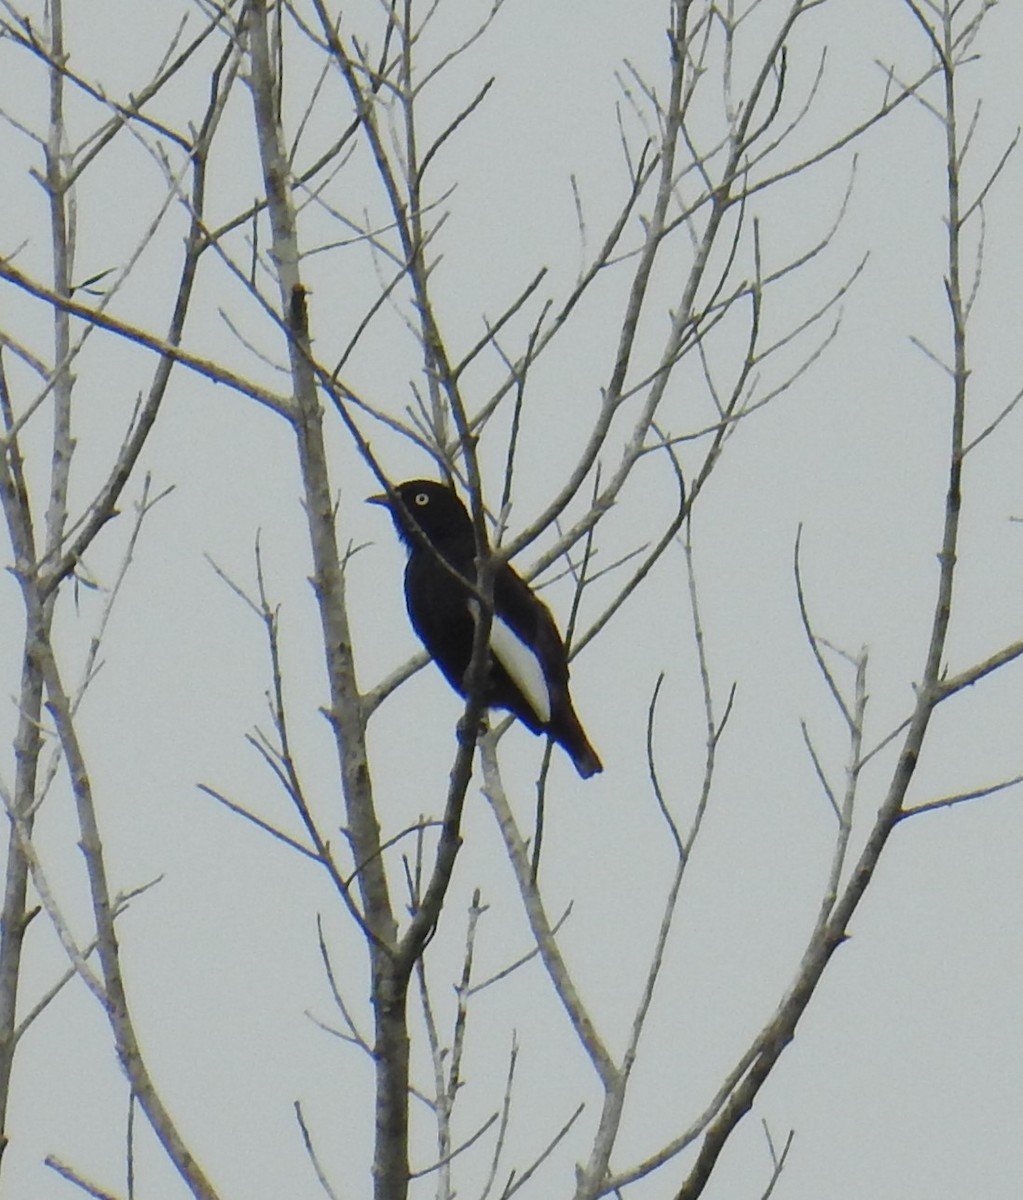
(568, 732)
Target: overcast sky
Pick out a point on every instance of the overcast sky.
(905, 1079)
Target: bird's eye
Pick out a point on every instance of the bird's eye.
(422, 499)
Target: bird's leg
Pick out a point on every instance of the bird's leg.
(466, 735)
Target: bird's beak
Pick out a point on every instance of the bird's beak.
(383, 499)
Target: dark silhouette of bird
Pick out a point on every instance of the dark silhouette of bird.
(528, 667)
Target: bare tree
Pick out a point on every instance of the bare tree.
(304, 248)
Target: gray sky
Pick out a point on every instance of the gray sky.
(906, 1075)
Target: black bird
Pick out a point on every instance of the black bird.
(528, 669)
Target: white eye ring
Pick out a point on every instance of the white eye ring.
(422, 499)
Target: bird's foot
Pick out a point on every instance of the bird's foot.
(469, 736)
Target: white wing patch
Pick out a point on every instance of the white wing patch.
(522, 665)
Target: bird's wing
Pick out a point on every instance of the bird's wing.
(530, 641)
(523, 665)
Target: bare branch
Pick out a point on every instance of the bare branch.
(961, 797)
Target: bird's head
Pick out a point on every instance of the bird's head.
(434, 507)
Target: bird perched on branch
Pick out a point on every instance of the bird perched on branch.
(528, 667)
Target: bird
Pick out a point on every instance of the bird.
(527, 671)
